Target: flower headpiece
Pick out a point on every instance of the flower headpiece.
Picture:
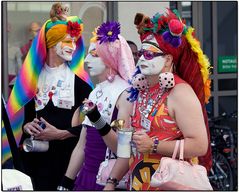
(173, 36)
(114, 50)
(170, 26)
(108, 32)
(73, 28)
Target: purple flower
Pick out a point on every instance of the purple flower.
(108, 32)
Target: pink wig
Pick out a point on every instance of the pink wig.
(118, 56)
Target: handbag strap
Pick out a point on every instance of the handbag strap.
(175, 149)
(181, 149)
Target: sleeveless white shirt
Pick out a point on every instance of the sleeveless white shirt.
(105, 96)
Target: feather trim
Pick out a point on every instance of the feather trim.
(202, 60)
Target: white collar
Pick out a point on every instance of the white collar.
(55, 69)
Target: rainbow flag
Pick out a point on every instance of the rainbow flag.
(16, 124)
(25, 86)
(26, 83)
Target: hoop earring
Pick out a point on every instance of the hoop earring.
(166, 79)
(110, 76)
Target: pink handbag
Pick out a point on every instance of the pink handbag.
(177, 174)
(104, 172)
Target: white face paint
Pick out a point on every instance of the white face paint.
(94, 63)
(66, 48)
(153, 66)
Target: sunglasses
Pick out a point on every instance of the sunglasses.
(149, 54)
(93, 53)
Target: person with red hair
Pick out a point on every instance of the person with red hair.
(170, 89)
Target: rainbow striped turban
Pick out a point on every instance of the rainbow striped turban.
(50, 34)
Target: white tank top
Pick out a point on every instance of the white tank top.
(105, 96)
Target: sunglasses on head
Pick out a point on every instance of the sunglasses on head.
(149, 54)
(93, 53)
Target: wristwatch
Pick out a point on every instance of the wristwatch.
(113, 181)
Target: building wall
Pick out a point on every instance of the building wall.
(21, 14)
(127, 12)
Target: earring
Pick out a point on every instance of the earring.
(110, 77)
(139, 82)
(166, 79)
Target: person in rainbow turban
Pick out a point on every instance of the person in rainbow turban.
(51, 86)
(170, 89)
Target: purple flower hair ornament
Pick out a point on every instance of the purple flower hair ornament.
(173, 36)
(108, 32)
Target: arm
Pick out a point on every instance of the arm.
(76, 160)
(124, 112)
(77, 157)
(120, 168)
(122, 164)
(185, 108)
(52, 133)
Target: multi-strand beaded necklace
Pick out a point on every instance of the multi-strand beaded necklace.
(150, 101)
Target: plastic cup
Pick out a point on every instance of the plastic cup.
(124, 144)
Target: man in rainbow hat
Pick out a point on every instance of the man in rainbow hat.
(51, 86)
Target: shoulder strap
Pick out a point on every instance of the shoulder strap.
(11, 140)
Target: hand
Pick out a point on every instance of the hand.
(91, 110)
(88, 106)
(32, 128)
(143, 142)
(109, 187)
(66, 184)
(49, 133)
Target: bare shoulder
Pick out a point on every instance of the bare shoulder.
(183, 100)
(182, 96)
(182, 91)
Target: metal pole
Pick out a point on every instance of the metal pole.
(4, 51)
(112, 11)
(215, 56)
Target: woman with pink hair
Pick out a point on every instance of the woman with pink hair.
(111, 61)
